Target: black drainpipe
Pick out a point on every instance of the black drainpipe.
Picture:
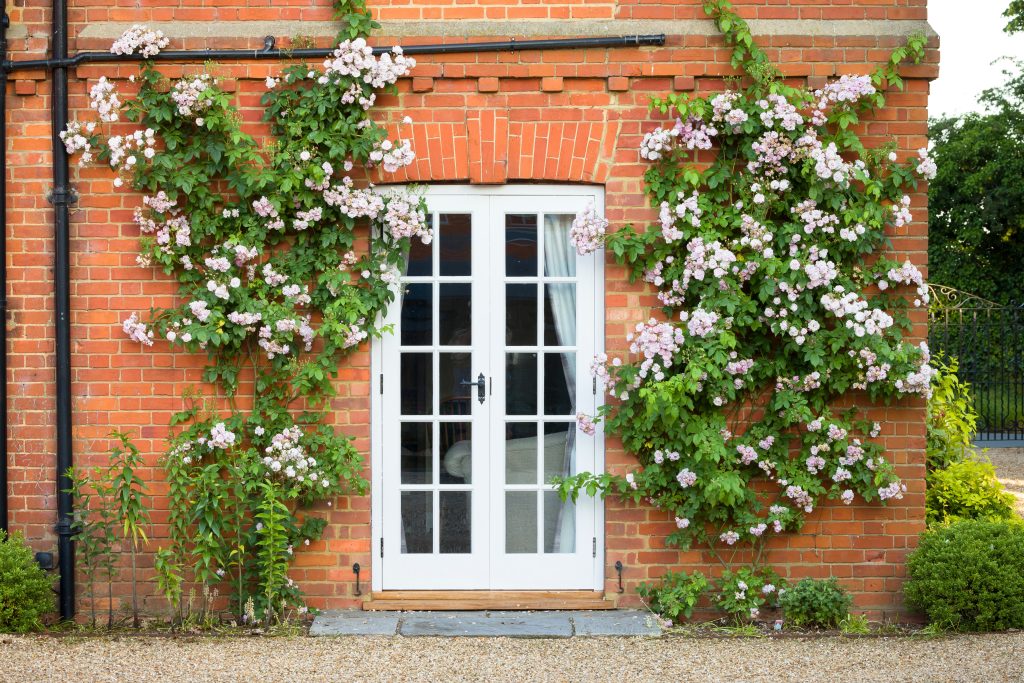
(61, 196)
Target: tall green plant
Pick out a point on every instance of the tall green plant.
(284, 258)
(952, 419)
(131, 505)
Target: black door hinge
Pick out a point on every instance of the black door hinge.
(382, 384)
(595, 546)
(382, 546)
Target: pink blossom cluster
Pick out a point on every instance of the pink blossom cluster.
(687, 210)
(704, 257)
(103, 98)
(656, 144)
(391, 156)
(858, 316)
(588, 230)
(908, 274)
(356, 334)
(893, 491)
(74, 140)
(686, 478)
(286, 456)
(848, 89)
(142, 40)
(221, 437)
(772, 150)
(748, 454)
(137, 330)
(405, 218)
(682, 522)
(808, 382)
(815, 219)
(694, 133)
(190, 98)
(918, 381)
(729, 538)
(585, 423)
(799, 496)
(777, 108)
(926, 167)
(655, 340)
(353, 202)
(701, 322)
(123, 148)
(901, 212)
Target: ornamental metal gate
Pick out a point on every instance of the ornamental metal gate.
(987, 339)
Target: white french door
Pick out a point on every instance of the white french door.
(479, 385)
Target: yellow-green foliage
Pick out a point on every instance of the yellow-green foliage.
(967, 490)
(951, 416)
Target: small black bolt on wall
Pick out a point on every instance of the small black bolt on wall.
(618, 570)
(355, 570)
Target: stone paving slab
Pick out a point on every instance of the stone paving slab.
(616, 623)
(349, 622)
(487, 624)
(507, 624)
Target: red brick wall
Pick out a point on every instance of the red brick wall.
(561, 116)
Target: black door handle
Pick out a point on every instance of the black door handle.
(480, 384)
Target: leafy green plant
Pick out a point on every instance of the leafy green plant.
(742, 593)
(855, 625)
(130, 505)
(967, 490)
(26, 592)
(969, 575)
(812, 602)
(952, 419)
(675, 596)
(95, 526)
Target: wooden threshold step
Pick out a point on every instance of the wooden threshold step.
(405, 600)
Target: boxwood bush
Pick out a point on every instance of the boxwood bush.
(817, 603)
(26, 593)
(969, 575)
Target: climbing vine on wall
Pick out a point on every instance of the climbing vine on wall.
(777, 303)
(284, 262)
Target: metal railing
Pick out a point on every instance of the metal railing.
(987, 339)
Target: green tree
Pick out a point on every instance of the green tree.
(976, 201)
(1015, 14)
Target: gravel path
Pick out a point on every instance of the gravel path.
(990, 658)
(1009, 463)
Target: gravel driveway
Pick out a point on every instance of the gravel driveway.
(990, 658)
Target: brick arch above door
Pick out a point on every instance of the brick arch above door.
(488, 148)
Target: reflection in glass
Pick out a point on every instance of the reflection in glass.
(455, 243)
(456, 527)
(559, 524)
(417, 310)
(454, 306)
(521, 453)
(559, 254)
(559, 445)
(456, 452)
(520, 245)
(559, 383)
(560, 314)
(521, 315)
(416, 384)
(520, 383)
(417, 521)
(520, 521)
(417, 452)
(420, 256)
(455, 398)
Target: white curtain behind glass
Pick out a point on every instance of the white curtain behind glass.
(560, 261)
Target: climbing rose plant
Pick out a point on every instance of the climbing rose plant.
(284, 262)
(776, 304)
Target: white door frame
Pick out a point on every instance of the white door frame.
(377, 360)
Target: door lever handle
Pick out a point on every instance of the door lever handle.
(480, 384)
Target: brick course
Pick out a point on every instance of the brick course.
(556, 116)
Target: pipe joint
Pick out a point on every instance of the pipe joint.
(62, 196)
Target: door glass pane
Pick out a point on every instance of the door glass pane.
(560, 314)
(416, 384)
(417, 521)
(455, 398)
(520, 245)
(521, 453)
(520, 521)
(559, 383)
(454, 314)
(456, 520)
(521, 315)
(559, 524)
(417, 311)
(455, 243)
(521, 383)
(559, 450)
(417, 452)
(420, 256)
(559, 254)
(456, 452)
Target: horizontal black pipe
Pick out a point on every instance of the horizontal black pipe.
(270, 52)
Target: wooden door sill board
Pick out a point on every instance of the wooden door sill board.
(408, 600)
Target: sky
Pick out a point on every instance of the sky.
(971, 37)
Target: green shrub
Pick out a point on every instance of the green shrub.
(819, 603)
(969, 575)
(676, 595)
(26, 593)
(967, 490)
(952, 419)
